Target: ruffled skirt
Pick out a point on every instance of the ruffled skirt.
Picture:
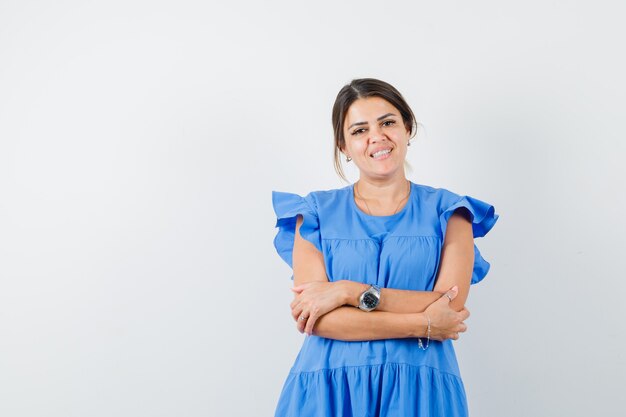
(387, 390)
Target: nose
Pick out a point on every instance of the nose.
(376, 134)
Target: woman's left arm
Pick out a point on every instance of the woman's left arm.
(457, 257)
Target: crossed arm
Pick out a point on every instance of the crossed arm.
(329, 307)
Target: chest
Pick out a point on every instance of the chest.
(389, 260)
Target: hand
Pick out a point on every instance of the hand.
(313, 300)
(446, 323)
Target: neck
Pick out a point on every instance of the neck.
(383, 191)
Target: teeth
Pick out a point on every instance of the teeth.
(379, 153)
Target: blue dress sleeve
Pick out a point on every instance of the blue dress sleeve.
(287, 206)
(483, 218)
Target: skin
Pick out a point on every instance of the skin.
(329, 306)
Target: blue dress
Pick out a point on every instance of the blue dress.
(390, 377)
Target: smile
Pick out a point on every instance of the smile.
(382, 154)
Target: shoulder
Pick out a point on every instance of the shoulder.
(315, 201)
(328, 198)
(438, 197)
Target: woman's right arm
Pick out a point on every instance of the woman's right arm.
(352, 324)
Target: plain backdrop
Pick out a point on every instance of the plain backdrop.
(140, 142)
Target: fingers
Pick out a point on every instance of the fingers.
(294, 303)
(296, 298)
(301, 322)
(296, 313)
(302, 318)
(460, 328)
(464, 314)
(310, 323)
(305, 320)
(452, 332)
(452, 293)
(301, 287)
(296, 293)
(453, 336)
(461, 316)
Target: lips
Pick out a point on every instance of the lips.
(383, 154)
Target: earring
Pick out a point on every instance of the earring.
(408, 143)
(348, 159)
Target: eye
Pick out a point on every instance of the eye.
(391, 122)
(357, 131)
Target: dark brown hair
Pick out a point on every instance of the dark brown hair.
(362, 88)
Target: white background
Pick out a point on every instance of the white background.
(140, 142)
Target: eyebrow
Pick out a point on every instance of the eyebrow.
(364, 123)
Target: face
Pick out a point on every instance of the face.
(372, 124)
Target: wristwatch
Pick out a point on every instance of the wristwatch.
(370, 298)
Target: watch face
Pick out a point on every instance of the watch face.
(370, 300)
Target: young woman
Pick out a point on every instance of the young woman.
(382, 270)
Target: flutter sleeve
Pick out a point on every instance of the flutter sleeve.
(483, 218)
(287, 206)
